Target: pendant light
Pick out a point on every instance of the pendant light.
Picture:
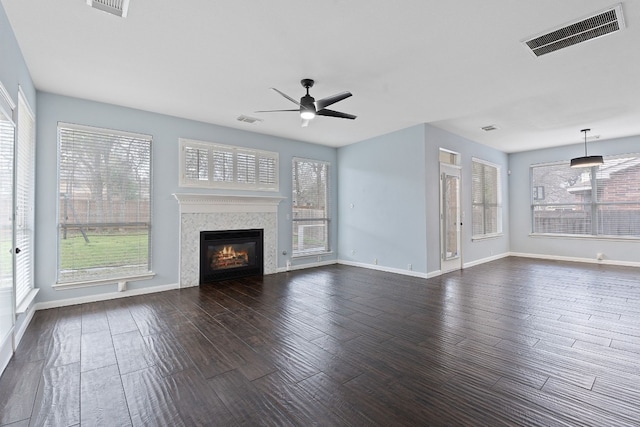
(586, 161)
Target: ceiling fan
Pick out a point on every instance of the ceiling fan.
(309, 107)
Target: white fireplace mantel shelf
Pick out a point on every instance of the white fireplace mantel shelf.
(218, 203)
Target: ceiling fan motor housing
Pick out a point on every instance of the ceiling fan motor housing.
(307, 103)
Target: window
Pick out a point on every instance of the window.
(310, 207)
(205, 164)
(487, 199)
(25, 192)
(598, 201)
(104, 208)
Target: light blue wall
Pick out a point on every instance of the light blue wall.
(13, 69)
(384, 179)
(472, 251)
(13, 74)
(166, 131)
(393, 182)
(520, 206)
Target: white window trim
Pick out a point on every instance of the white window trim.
(500, 216)
(234, 150)
(24, 107)
(64, 285)
(99, 282)
(600, 237)
(314, 252)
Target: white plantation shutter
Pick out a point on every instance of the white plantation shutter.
(310, 207)
(486, 199)
(222, 164)
(104, 205)
(25, 193)
(267, 170)
(196, 164)
(246, 167)
(205, 164)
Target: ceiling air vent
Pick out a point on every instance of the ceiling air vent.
(247, 119)
(594, 26)
(114, 7)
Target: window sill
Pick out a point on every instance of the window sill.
(311, 254)
(26, 301)
(488, 236)
(585, 237)
(121, 281)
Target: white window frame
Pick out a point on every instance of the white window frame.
(295, 253)
(499, 231)
(591, 205)
(24, 169)
(115, 276)
(261, 183)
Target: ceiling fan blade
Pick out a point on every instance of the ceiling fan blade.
(325, 102)
(332, 113)
(287, 96)
(305, 122)
(276, 111)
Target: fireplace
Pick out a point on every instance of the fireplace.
(230, 254)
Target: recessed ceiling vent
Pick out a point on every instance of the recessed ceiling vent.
(247, 119)
(598, 25)
(114, 7)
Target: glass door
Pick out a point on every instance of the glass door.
(450, 218)
(7, 132)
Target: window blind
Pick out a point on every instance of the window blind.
(486, 199)
(603, 200)
(310, 207)
(25, 193)
(104, 205)
(7, 133)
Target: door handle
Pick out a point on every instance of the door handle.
(18, 250)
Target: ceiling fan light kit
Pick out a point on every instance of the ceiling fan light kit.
(586, 161)
(310, 108)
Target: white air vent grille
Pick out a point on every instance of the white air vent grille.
(247, 119)
(114, 7)
(594, 26)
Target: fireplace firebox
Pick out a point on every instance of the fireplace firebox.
(230, 254)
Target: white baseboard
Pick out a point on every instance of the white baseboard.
(104, 297)
(6, 351)
(484, 260)
(386, 269)
(576, 259)
(465, 265)
(28, 315)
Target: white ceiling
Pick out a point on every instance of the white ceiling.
(458, 65)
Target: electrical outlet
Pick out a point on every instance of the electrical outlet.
(375, 261)
(410, 267)
(353, 251)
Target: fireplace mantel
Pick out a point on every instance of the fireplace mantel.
(214, 212)
(218, 203)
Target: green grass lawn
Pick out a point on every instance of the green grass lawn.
(103, 250)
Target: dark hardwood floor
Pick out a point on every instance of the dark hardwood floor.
(511, 342)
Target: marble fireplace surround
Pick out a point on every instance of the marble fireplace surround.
(209, 212)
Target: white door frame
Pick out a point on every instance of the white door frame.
(450, 260)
